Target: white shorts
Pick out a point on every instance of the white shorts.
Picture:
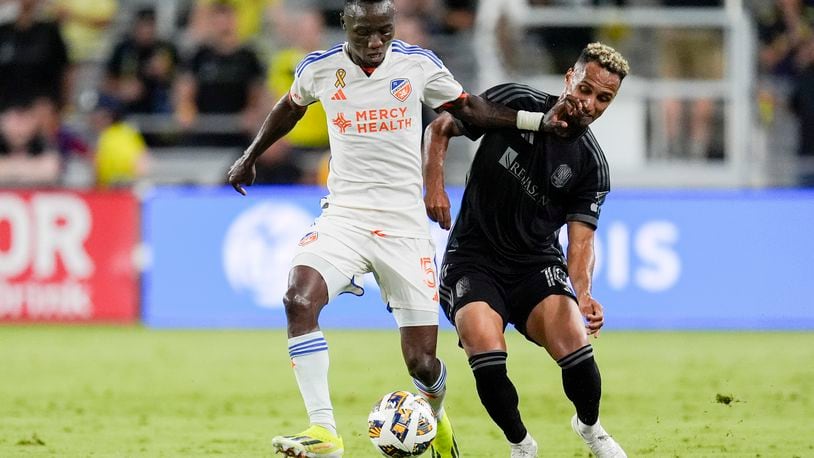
(403, 267)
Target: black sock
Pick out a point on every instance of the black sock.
(497, 393)
(582, 383)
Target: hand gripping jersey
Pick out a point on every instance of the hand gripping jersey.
(374, 124)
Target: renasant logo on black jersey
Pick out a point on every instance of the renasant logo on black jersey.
(509, 162)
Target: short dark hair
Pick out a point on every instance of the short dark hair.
(352, 3)
(356, 2)
(607, 57)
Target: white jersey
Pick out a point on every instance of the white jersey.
(374, 123)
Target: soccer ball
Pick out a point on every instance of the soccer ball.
(401, 424)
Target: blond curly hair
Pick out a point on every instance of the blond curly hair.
(607, 57)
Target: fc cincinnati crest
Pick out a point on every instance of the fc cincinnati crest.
(561, 176)
(401, 89)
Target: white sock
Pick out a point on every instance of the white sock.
(309, 356)
(526, 440)
(588, 430)
(436, 393)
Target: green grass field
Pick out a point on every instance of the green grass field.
(127, 391)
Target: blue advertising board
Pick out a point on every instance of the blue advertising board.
(665, 260)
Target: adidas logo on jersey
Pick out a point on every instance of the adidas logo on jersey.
(339, 95)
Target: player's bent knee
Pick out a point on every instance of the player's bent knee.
(422, 366)
(300, 307)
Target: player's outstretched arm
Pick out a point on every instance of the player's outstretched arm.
(486, 114)
(282, 118)
(581, 260)
(483, 113)
(434, 152)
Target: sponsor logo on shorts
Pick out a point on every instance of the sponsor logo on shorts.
(308, 238)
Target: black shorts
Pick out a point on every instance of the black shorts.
(513, 296)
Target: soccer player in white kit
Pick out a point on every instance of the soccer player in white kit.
(374, 218)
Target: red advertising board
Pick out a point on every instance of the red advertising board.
(68, 256)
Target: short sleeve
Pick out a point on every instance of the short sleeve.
(588, 194)
(303, 90)
(441, 87)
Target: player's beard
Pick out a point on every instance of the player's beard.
(583, 121)
(577, 123)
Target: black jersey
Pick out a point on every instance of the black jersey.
(524, 186)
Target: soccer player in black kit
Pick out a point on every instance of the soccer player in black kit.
(504, 263)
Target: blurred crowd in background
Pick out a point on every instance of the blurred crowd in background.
(95, 92)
